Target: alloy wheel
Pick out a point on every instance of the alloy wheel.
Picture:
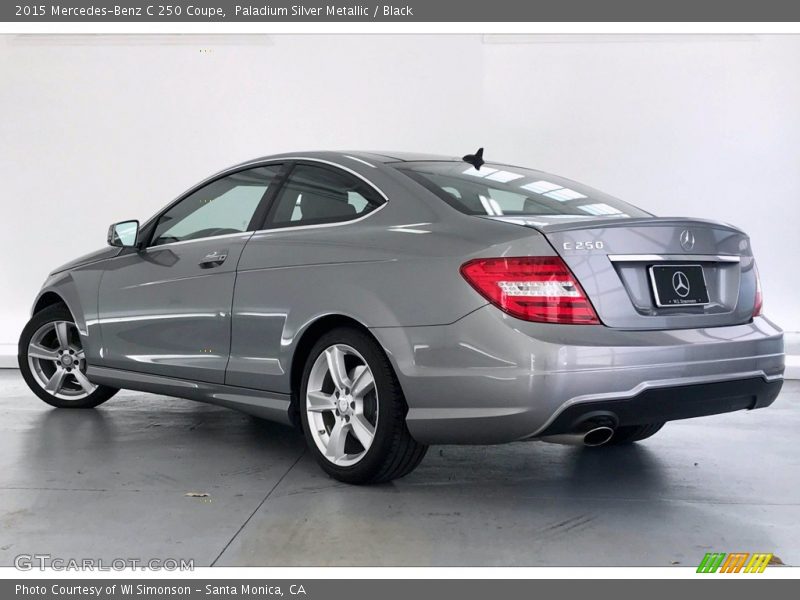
(57, 361)
(342, 405)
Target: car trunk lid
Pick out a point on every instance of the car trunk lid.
(636, 271)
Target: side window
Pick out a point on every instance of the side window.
(223, 206)
(321, 195)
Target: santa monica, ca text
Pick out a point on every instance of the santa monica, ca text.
(245, 589)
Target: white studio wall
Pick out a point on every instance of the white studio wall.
(98, 129)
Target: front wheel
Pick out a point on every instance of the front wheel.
(52, 361)
(353, 410)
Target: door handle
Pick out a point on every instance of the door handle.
(214, 259)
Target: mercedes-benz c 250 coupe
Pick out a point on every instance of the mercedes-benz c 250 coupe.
(384, 302)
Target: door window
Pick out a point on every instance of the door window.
(314, 194)
(224, 206)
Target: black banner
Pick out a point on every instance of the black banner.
(730, 588)
(408, 11)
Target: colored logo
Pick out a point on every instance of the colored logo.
(736, 562)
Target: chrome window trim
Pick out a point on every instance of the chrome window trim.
(342, 167)
(731, 258)
(242, 234)
(263, 162)
(319, 225)
(335, 223)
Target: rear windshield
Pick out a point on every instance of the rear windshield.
(500, 190)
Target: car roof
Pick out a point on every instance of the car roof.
(384, 157)
(389, 156)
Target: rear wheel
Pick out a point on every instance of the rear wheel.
(53, 364)
(633, 433)
(353, 410)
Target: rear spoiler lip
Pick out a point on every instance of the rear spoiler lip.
(604, 223)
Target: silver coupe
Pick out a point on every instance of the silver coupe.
(384, 302)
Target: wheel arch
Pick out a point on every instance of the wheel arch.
(62, 289)
(49, 298)
(303, 347)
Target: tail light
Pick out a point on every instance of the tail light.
(759, 303)
(537, 288)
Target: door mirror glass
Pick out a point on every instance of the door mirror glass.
(123, 234)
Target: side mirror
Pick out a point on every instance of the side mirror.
(124, 234)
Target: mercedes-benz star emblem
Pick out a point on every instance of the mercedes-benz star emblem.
(687, 240)
(680, 283)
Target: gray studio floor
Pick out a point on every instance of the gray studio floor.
(113, 482)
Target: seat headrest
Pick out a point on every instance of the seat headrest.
(531, 206)
(325, 206)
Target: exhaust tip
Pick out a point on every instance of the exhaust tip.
(597, 436)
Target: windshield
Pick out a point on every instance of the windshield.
(500, 190)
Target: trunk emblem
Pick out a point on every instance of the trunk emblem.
(680, 283)
(687, 240)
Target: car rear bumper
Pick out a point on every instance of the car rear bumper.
(656, 405)
(490, 378)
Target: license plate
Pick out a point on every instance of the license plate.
(677, 285)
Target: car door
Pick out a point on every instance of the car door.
(280, 272)
(164, 308)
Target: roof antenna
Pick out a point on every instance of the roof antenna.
(476, 160)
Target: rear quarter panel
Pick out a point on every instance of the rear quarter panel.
(396, 268)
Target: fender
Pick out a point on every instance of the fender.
(78, 290)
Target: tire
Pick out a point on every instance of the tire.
(51, 360)
(632, 433)
(345, 407)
